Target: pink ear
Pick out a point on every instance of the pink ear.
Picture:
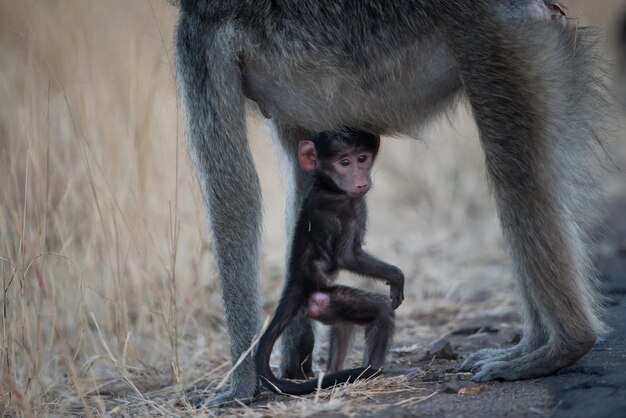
(307, 156)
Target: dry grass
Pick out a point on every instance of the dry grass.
(111, 304)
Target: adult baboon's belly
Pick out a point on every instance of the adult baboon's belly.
(384, 94)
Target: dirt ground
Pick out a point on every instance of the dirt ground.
(434, 388)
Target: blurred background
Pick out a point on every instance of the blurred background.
(105, 259)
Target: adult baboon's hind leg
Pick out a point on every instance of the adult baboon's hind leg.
(298, 339)
(208, 72)
(530, 90)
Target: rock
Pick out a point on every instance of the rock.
(449, 387)
(442, 349)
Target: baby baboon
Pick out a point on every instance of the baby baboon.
(328, 237)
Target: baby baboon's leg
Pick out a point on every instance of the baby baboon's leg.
(372, 310)
(339, 344)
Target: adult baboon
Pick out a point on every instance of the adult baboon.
(387, 67)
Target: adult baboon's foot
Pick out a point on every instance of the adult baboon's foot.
(470, 363)
(476, 360)
(228, 398)
(515, 364)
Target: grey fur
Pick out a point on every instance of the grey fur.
(387, 68)
(299, 335)
(621, 60)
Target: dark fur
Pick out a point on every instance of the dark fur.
(328, 237)
(388, 67)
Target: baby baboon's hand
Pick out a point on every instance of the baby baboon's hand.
(396, 292)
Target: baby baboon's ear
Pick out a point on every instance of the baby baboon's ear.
(307, 156)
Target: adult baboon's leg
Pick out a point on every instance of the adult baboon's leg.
(530, 340)
(209, 80)
(530, 88)
(298, 339)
